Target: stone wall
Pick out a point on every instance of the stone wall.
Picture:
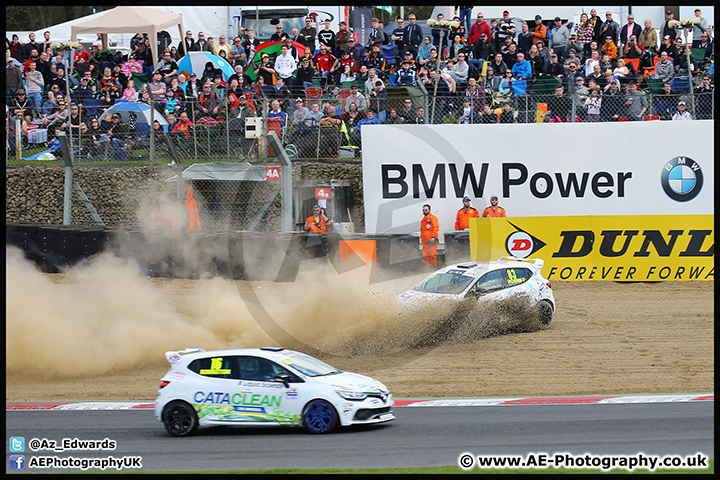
(125, 196)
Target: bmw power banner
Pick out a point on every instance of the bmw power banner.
(559, 173)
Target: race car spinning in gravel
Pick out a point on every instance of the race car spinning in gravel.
(497, 281)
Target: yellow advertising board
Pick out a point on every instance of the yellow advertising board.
(629, 248)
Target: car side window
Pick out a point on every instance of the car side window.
(216, 367)
(516, 276)
(262, 370)
(490, 282)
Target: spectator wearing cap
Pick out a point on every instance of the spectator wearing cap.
(540, 32)
(703, 28)
(682, 112)
(303, 77)
(406, 75)
(669, 47)
(665, 29)
(494, 210)
(505, 28)
(339, 66)
(376, 60)
(629, 29)
(554, 67)
(342, 41)
(462, 219)
(13, 80)
(355, 51)
(559, 38)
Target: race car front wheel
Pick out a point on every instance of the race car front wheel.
(319, 417)
(180, 419)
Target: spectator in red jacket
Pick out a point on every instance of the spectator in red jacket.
(479, 27)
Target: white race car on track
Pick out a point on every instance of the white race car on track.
(265, 386)
(499, 280)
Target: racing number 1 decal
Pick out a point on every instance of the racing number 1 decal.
(215, 368)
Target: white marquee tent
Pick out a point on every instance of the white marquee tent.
(131, 19)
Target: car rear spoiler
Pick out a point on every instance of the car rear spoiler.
(175, 356)
(538, 262)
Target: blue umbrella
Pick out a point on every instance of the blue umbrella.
(141, 110)
(194, 62)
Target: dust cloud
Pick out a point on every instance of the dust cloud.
(104, 315)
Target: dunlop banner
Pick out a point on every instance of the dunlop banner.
(631, 248)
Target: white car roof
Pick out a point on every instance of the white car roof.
(477, 269)
(190, 354)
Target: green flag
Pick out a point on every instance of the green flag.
(387, 9)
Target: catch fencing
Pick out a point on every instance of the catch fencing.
(225, 138)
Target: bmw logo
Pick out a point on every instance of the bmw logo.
(682, 179)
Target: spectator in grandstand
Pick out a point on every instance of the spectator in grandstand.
(664, 104)
(498, 64)
(610, 27)
(597, 76)
(621, 70)
(304, 77)
(491, 81)
(554, 67)
(494, 210)
(420, 117)
(704, 43)
(669, 46)
(378, 100)
(182, 126)
(682, 112)
(460, 70)
(559, 38)
(590, 63)
(664, 69)
(307, 34)
(703, 28)
(372, 80)
(408, 112)
(275, 112)
(628, 30)
(558, 106)
(285, 66)
(423, 53)
(34, 85)
(611, 108)
(311, 120)
(488, 116)
(506, 28)
(648, 37)
(393, 118)
(412, 36)
(580, 91)
(369, 119)
(348, 75)
(505, 85)
(632, 48)
(467, 115)
(483, 51)
(507, 115)
(345, 40)
(575, 46)
(357, 98)
(536, 61)
(704, 95)
(524, 38)
(475, 93)
(406, 75)
(398, 37)
(585, 33)
(665, 29)
(609, 47)
(636, 102)
(521, 69)
(510, 56)
(539, 31)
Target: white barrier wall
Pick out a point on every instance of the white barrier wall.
(633, 168)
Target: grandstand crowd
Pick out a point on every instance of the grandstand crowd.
(482, 71)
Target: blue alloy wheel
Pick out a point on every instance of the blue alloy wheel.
(319, 417)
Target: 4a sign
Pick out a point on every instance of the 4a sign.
(616, 248)
(272, 173)
(323, 193)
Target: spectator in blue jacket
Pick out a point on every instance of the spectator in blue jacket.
(521, 69)
(406, 75)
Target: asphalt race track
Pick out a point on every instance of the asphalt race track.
(419, 437)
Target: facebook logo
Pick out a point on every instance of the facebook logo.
(17, 444)
(17, 462)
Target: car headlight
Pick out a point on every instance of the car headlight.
(351, 394)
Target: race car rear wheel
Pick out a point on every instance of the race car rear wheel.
(180, 419)
(319, 417)
(544, 314)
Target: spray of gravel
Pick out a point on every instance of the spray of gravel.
(105, 315)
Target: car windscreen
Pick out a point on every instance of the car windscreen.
(308, 365)
(452, 282)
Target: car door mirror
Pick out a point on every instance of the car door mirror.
(284, 378)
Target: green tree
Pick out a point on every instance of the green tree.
(35, 17)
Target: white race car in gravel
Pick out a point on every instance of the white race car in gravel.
(495, 281)
(265, 386)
